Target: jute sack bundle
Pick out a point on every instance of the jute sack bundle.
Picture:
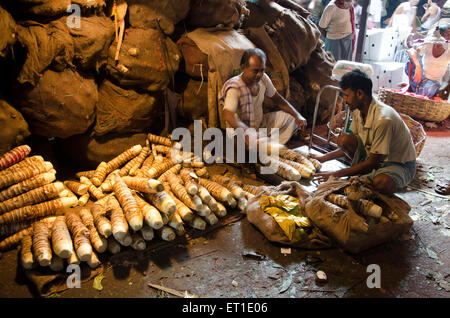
(47, 45)
(194, 101)
(61, 105)
(92, 41)
(8, 34)
(14, 127)
(142, 60)
(121, 110)
(195, 62)
(270, 228)
(211, 13)
(143, 13)
(46, 8)
(351, 231)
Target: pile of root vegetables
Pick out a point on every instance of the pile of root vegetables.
(146, 192)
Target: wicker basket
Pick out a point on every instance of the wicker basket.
(417, 133)
(419, 108)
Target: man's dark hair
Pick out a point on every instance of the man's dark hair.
(355, 80)
(252, 52)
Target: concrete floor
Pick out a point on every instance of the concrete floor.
(222, 263)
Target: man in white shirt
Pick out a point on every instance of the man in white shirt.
(242, 97)
(337, 26)
(380, 145)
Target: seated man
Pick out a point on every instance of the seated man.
(425, 74)
(242, 97)
(380, 145)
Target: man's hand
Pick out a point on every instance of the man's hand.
(324, 175)
(319, 158)
(417, 74)
(301, 123)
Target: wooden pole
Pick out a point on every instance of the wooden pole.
(362, 31)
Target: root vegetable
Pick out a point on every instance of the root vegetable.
(88, 174)
(198, 223)
(44, 193)
(181, 231)
(369, 208)
(162, 201)
(93, 190)
(189, 178)
(126, 240)
(147, 233)
(83, 199)
(248, 195)
(172, 171)
(144, 185)
(166, 233)
(213, 204)
(138, 243)
(34, 212)
(192, 162)
(284, 170)
(316, 163)
(26, 254)
(73, 259)
(61, 240)
(218, 191)
(242, 203)
(27, 162)
(11, 228)
(128, 203)
(211, 219)
(165, 218)
(76, 187)
(41, 243)
(100, 174)
(204, 194)
(113, 246)
(101, 222)
(159, 140)
(296, 156)
(231, 185)
(27, 185)
(125, 170)
(124, 157)
(139, 160)
(232, 202)
(25, 173)
(13, 156)
(118, 221)
(80, 234)
(221, 210)
(148, 162)
(14, 240)
(57, 264)
(204, 210)
(175, 221)
(106, 186)
(152, 217)
(93, 262)
(176, 184)
(158, 169)
(99, 243)
(338, 199)
(255, 190)
(182, 210)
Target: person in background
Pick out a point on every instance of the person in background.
(316, 8)
(337, 25)
(374, 14)
(380, 145)
(425, 75)
(358, 12)
(431, 16)
(404, 15)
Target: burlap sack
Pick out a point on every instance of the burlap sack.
(142, 60)
(122, 110)
(143, 13)
(46, 8)
(89, 4)
(46, 45)
(92, 41)
(194, 101)
(295, 37)
(348, 229)
(269, 227)
(61, 105)
(195, 62)
(14, 127)
(8, 33)
(211, 13)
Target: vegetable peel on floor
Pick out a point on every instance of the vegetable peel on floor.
(98, 282)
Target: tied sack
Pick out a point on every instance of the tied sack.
(277, 213)
(353, 232)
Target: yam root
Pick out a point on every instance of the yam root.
(88, 174)
(29, 161)
(284, 170)
(176, 184)
(126, 240)
(14, 240)
(106, 186)
(204, 194)
(83, 199)
(41, 243)
(113, 246)
(76, 187)
(296, 156)
(139, 160)
(93, 190)
(242, 203)
(118, 221)
(175, 221)
(57, 264)
(204, 211)
(218, 191)
(44, 193)
(189, 178)
(162, 201)
(231, 185)
(61, 240)
(93, 262)
(11, 228)
(128, 203)
(25, 173)
(174, 170)
(100, 174)
(27, 185)
(124, 157)
(158, 169)
(148, 162)
(26, 253)
(304, 171)
(213, 204)
(144, 185)
(147, 233)
(182, 210)
(80, 234)
(181, 231)
(13, 156)
(125, 170)
(159, 140)
(255, 190)
(37, 211)
(73, 259)
(101, 222)
(197, 223)
(211, 219)
(221, 210)
(138, 243)
(338, 199)
(152, 217)
(99, 243)
(166, 233)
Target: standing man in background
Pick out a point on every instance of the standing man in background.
(337, 25)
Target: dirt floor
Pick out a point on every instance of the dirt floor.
(236, 260)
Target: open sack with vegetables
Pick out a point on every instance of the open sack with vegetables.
(355, 216)
(278, 212)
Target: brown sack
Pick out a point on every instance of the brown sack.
(47, 8)
(142, 13)
(194, 101)
(92, 42)
(195, 62)
(211, 13)
(122, 110)
(141, 60)
(350, 230)
(8, 33)
(61, 105)
(269, 227)
(14, 127)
